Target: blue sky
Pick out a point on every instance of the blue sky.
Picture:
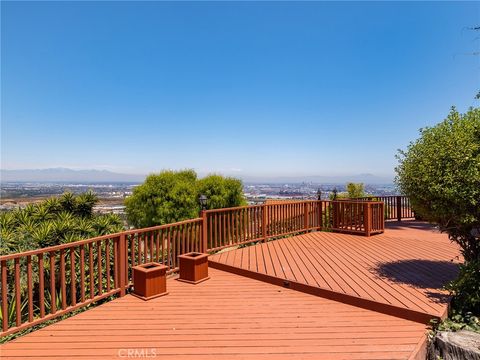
(257, 88)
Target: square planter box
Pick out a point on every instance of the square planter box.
(149, 280)
(193, 267)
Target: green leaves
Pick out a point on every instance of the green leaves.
(54, 221)
(440, 173)
(172, 196)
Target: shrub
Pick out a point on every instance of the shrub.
(172, 196)
(54, 221)
(440, 172)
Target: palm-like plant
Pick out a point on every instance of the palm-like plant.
(68, 202)
(44, 234)
(8, 238)
(52, 205)
(85, 203)
(42, 213)
(85, 228)
(22, 217)
(7, 220)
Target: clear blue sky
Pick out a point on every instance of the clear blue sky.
(245, 88)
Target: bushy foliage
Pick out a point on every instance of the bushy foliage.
(221, 192)
(354, 191)
(466, 291)
(172, 196)
(440, 172)
(54, 221)
(163, 198)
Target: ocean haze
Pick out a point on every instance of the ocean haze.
(92, 175)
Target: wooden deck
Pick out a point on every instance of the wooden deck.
(226, 317)
(400, 272)
(339, 297)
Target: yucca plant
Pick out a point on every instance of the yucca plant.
(11, 311)
(85, 203)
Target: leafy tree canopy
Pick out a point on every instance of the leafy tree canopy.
(54, 221)
(440, 172)
(354, 191)
(172, 196)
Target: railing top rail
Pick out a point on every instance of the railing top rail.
(288, 202)
(58, 247)
(160, 227)
(234, 208)
(354, 201)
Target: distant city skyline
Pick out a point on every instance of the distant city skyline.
(254, 89)
(91, 175)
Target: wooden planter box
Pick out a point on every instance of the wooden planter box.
(193, 267)
(149, 280)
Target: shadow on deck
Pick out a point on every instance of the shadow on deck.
(401, 272)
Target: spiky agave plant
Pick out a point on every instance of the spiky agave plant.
(42, 213)
(85, 203)
(44, 234)
(68, 202)
(11, 310)
(52, 205)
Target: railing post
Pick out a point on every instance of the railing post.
(335, 214)
(264, 222)
(122, 270)
(305, 215)
(381, 216)
(399, 208)
(367, 218)
(203, 215)
(319, 209)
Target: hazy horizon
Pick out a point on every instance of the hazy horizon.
(76, 175)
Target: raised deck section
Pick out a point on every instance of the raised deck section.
(226, 317)
(400, 272)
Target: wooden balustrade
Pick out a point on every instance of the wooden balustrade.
(396, 207)
(40, 285)
(162, 244)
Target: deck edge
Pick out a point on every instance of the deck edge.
(388, 309)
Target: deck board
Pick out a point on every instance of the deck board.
(226, 317)
(404, 268)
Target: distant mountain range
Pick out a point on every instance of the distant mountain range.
(66, 175)
(91, 176)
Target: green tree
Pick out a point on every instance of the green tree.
(172, 196)
(54, 221)
(221, 192)
(163, 198)
(354, 191)
(440, 173)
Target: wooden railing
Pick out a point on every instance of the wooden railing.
(40, 285)
(397, 207)
(243, 225)
(357, 217)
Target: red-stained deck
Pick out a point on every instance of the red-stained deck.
(226, 317)
(349, 297)
(400, 272)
